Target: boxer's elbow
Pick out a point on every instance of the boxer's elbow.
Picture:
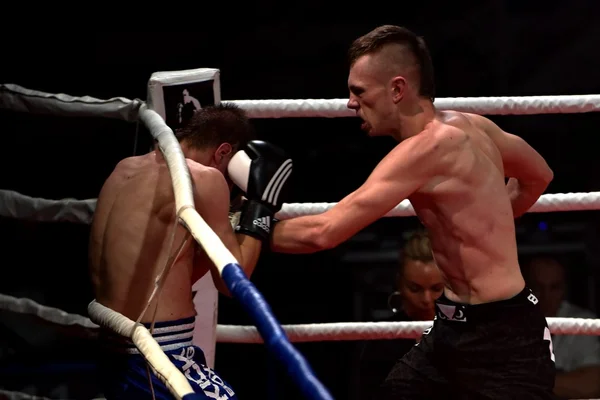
(544, 176)
(548, 176)
(535, 183)
(325, 236)
(307, 234)
(320, 242)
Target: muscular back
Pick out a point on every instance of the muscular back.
(469, 214)
(130, 239)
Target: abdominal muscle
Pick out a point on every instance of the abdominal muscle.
(471, 226)
(476, 254)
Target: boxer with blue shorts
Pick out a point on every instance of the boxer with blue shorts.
(125, 372)
(136, 237)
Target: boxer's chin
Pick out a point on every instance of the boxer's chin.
(365, 127)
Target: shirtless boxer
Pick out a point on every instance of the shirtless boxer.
(131, 242)
(489, 339)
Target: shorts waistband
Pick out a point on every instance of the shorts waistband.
(447, 309)
(170, 335)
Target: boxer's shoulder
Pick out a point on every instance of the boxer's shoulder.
(453, 130)
(207, 179)
(439, 137)
(478, 122)
(449, 121)
(206, 173)
(123, 170)
(129, 166)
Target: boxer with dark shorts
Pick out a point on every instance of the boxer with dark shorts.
(489, 339)
(487, 351)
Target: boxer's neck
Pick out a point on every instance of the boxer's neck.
(201, 156)
(414, 117)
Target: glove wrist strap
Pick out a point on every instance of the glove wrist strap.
(256, 220)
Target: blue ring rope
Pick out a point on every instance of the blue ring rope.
(273, 335)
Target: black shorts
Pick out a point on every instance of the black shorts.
(499, 350)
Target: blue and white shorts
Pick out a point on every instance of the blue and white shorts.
(124, 371)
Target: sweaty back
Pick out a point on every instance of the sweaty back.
(132, 232)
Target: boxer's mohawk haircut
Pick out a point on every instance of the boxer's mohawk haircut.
(385, 35)
(213, 125)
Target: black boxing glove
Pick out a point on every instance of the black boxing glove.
(262, 171)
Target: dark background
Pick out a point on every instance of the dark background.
(479, 48)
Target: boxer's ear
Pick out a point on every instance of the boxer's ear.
(398, 87)
(223, 153)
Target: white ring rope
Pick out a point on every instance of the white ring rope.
(336, 331)
(19, 206)
(546, 203)
(335, 108)
(300, 332)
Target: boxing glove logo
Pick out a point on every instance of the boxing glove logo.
(271, 193)
(264, 223)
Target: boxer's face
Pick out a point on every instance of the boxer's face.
(420, 285)
(370, 97)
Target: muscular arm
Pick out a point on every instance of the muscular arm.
(212, 203)
(529, 174)
(398, 175)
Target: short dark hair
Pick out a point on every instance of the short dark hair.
(384, 35)
(213, 125)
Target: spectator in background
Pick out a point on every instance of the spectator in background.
(418, 284)
(577, 357)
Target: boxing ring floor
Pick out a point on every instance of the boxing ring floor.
(19, 206)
